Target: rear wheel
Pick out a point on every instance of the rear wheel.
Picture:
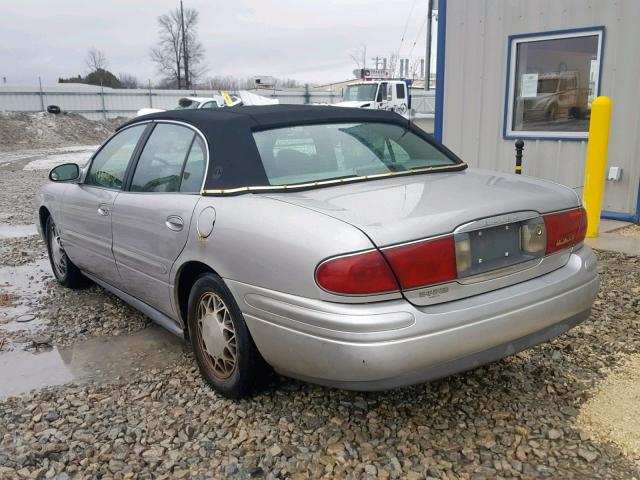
(226, 355)
(66, 273)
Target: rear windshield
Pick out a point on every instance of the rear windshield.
(311, 153)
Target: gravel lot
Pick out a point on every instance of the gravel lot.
(531, 415)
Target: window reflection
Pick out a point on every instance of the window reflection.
(555, 84)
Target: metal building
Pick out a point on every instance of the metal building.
(510, 69)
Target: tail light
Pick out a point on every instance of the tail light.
(424, 263)
(441, 259)
(565, 229)
(357, 274)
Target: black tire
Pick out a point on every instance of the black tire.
(247, 371)
(66, 273)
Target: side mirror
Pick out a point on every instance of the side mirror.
(66, 172)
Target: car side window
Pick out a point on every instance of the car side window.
(399, 91)
(194, 168)
(109, 165)
(211, 104)
(159, 168)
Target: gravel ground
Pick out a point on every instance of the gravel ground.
(517, 418)
(514, 418)
(69, 316)
(64, 316)
(18, 193)
(22, 250)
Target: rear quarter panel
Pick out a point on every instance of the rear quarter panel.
(267, 243)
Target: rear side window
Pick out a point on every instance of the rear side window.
(161, 162)
(194, 167)
(109, 165)
(399, 90)
(211, 104)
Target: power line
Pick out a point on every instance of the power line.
(406, 25)
(418, 36)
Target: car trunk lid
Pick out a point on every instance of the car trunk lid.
(484, 209)
(402, 209)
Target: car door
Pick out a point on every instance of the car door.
(400, 98)
(86, 207)
(381, 96)
(151, 218)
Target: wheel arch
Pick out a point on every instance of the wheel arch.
(186, 276)
(43, 216)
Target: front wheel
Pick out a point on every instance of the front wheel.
(66, 273)
(226, 355)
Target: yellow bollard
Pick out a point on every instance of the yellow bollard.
(596, 167)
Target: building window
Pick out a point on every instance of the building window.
(552, 80)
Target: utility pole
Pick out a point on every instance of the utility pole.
(187, 81)
(427, 70)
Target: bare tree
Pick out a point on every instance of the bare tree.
(414, 68)
(235, 83)
(359, 56)
(96, 60)
(175, 44)
(128, 81)
(168, 54)
(287, 83)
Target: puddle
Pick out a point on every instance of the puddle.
(16, 231)
(19, 289)
(99, 359)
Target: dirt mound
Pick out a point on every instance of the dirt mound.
(41, 130)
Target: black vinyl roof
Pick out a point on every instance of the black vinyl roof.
(234, 159)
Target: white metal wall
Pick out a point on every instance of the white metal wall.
(476, 62)
(96, 104)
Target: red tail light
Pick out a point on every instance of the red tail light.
(427, 262)
(357, 274)
(424, 263)
(565, 229)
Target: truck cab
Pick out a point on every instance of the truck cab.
(379, 94)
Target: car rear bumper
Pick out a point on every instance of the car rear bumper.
(389, 344)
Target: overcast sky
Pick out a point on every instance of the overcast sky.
(301, 39)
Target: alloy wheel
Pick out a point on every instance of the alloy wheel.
(217, 334)
(58, 254)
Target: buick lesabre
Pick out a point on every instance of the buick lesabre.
(344, 247)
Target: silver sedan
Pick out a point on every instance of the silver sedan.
(340, 246)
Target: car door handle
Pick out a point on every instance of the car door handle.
(103, 210)
(174, 223)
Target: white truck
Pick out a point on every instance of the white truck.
(378, 93)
